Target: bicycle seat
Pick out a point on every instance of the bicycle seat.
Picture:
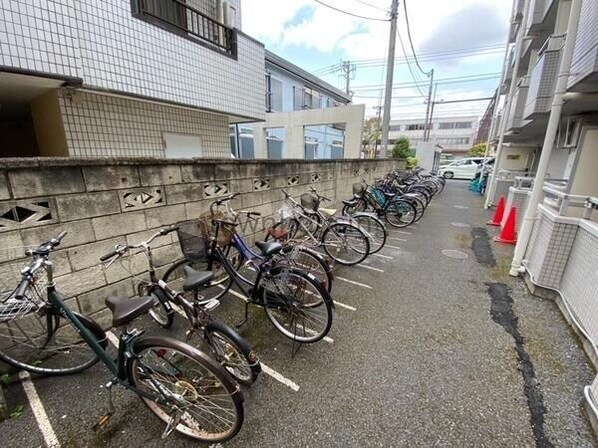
(125, 310)
(350, 202)
(194, 279)
(268, 248)
(389, 195)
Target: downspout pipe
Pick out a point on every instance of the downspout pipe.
(508, 101)
(551, 131)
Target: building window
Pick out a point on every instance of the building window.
(273, 94)
(463, 125)
(179, 17)
(447, 125)
(395, 127)
(415, 127)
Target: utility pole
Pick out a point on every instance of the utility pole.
(389, 75)
(429, 122)
(348, 71)
(429, 105)
(378, 112)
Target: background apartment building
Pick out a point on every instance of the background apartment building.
(289, 88)
(141, 78)
(454, 135)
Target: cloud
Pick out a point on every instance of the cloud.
(474, 25)
(266, 20)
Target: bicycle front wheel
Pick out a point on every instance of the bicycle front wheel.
(345, 243)
(374, 230)
(44, 342)
(186, 389)
(297, 305)
(400, 213)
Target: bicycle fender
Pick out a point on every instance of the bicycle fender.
(94, 327)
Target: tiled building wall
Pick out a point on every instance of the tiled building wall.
(101, 125)
(549, 248)
(105, 202)
(104, 45)
(517, 198)
(542, 83)
(585, 54)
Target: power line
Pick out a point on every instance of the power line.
(468, 78)
(350, 13)
(409, 65)
(411, 41)
(373, 6)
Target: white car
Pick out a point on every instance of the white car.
(461, 169)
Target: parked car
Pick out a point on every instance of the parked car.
(461, 169)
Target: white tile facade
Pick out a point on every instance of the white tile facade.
(104, 45)
(106, 126)
(585, 54)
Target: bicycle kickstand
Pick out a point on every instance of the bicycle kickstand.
(246, 318)
(103, 420)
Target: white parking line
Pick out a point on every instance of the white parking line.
(326, 338)
(392, 247)
(278, 377)
(384, 256)
(354, 283)
(400, 231)
(396, 239)
(343, 305)
(38, 410)
(371, 268)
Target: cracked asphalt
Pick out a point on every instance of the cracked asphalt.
(420, 362)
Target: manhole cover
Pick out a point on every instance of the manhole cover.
(451, 253)
(462, 207)
(460, 224)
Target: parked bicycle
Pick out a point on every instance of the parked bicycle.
(232, 351)
(182, 386)
(296, 303)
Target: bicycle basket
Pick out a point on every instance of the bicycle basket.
(208, 228)
(193, 244)
(13, 308)
(309, 201)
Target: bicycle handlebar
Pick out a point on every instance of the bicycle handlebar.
(230, 197)
(22, 288)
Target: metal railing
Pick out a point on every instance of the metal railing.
(562, 201)
(188, 21)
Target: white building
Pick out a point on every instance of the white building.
(455, 135)
(151, 78)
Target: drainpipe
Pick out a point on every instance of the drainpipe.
(551, 131)
(508, 101)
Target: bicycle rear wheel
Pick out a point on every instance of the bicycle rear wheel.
(345, 243)
(297, 305)
(400, 213)
(374, 230)
(44, 342)
(309, 261)
(186, 389)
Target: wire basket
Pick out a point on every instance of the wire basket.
(208, 228)
(12, 308)
(309, 201)
(194, 244)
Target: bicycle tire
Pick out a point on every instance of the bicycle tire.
(360, 207)
(219, 331)
(170, 357)
(44, 361)
(363, 252)
(375, 229)
(320, 300)
(397, 211)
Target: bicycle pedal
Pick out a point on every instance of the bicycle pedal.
(212, 305)
(103, 421)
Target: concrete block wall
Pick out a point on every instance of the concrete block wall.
(104, 202)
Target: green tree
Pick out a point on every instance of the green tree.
(401, 149)
(478, 150)
(372, 131)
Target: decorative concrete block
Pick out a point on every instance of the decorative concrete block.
(10, 246)
(27, 213)
(120, 224)
(111, 177)
(138, 198)
(27, 183)
(4, 192)
(197, 172)
(87, 205)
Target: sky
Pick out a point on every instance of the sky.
(457, 38)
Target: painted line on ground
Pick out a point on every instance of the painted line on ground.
(400, 231)
(392, 247)
(388, 257)
(278, 377)
(37, 407)
(396, 239)
(343, 305)
(371, 268)
(313, 332)
(354, 282)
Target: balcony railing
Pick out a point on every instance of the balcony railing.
(187, 21)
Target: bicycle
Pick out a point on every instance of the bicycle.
(227, 346)
(177, 382)
(296, 303)
(341, 238)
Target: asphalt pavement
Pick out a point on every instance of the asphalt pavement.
(432, 344)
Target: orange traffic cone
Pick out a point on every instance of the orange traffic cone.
(498, 213)
(508, 235)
